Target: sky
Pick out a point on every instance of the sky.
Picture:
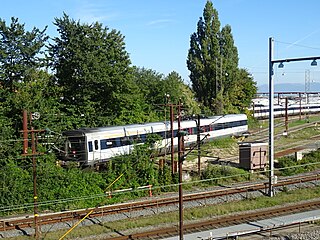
(157, 32)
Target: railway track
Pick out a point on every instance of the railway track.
(222, 221)
(69, 216)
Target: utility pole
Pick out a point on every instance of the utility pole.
(286, 116)
(272, 178)
(35, 195)
(300, 106)
(172, 138)
(34, 165)
(25, 132)
(181, 157)
(199, 145)
(307, 89)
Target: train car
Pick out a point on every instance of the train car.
(262, 111)
(92, 146)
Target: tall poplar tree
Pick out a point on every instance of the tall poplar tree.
(204, 58)
(213, 64)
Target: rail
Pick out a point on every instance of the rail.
(68, 216)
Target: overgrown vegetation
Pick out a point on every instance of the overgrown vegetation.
(289, 166)
(217, 174)
(83, 77)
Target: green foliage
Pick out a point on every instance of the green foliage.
(16, 188)
(93, 70)
(217, 174)
(204, 59)
(56, 184)
(92, 83)
(159, 90)
(221, 143)
(288, 166)
(23, 85)
(19, 53)
(213, 63)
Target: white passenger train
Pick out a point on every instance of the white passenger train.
(260, 108)
(91, 146)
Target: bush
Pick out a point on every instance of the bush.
(217, 174)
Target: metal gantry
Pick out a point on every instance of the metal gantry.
(272, 178)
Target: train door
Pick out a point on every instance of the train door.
(93, 151)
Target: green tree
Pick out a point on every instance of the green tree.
(243, 91)
(19, 53)
(93, 70)
(21, 57)
(204, 58)
(149, 82)
(213, 63)
(178, 90)
(230, 60)
(158, 90)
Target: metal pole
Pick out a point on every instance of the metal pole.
(253, 109)
(199, 143)
(35, 197)
(172, 138)
(300, 106)
(271, 119)
(25, 132)
(286, 115)
(180, 158)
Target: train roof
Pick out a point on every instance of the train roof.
(83, 131)
(151, 127)
(228, 117)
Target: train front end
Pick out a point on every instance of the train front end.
(75, 147)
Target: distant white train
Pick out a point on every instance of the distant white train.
(262, 111)
(91, 146)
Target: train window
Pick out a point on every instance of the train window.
(136, 139)
(109, 143)
(161, 134)
(205, 128)
(168, 134)
(103, 144)
(243, 122)
(117, 142)
(219, 126)
(96, 144)
(195, 130)
(125, 141)
(90, 146)
(175, 133)
(143, 137)
(75, 144)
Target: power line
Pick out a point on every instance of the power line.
(298, 45)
